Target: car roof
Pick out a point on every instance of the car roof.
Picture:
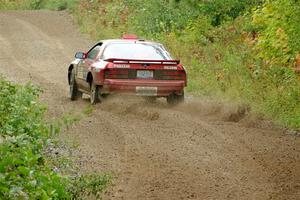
(134, 41)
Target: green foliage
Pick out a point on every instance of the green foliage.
(89, 185)
(158, 16)
(279, 31)
(100, 20)
(37, 4)
(221, 11)
(15, 5)
(24, 173)
(58, 4)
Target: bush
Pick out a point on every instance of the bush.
(279, 31)
(24, 173)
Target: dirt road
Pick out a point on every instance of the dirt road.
(200, 150)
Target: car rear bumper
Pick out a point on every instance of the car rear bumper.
(160, 88)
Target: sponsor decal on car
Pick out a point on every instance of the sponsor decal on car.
(122, 66)
(170, 67)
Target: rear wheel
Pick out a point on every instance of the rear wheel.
(74, 92)
(175, 99)
(95, 96)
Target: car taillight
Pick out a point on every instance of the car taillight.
(116, 74)
(120, 74)
(170, 75)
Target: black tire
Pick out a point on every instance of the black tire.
(74, 92)
(175, 99)
(95, 96)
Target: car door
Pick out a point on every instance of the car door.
(84, 65)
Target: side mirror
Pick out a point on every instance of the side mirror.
(80, 55)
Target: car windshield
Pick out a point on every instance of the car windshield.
(136, 51)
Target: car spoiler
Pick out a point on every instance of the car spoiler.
(133, 61)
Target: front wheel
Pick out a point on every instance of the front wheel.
(74, 92)
(95, 96)
(175, 99)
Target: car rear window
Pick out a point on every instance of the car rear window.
(138, 51)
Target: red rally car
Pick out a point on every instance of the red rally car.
(128, 65)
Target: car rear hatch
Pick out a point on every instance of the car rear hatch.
(145, 70)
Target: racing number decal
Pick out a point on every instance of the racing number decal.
(80, 71)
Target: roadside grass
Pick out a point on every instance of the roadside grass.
(55, 4)
(37, 4)
(15, 5)
(90, 185)
(27, 169)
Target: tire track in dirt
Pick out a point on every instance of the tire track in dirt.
(193, 151)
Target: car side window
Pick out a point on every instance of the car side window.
(94, 52)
